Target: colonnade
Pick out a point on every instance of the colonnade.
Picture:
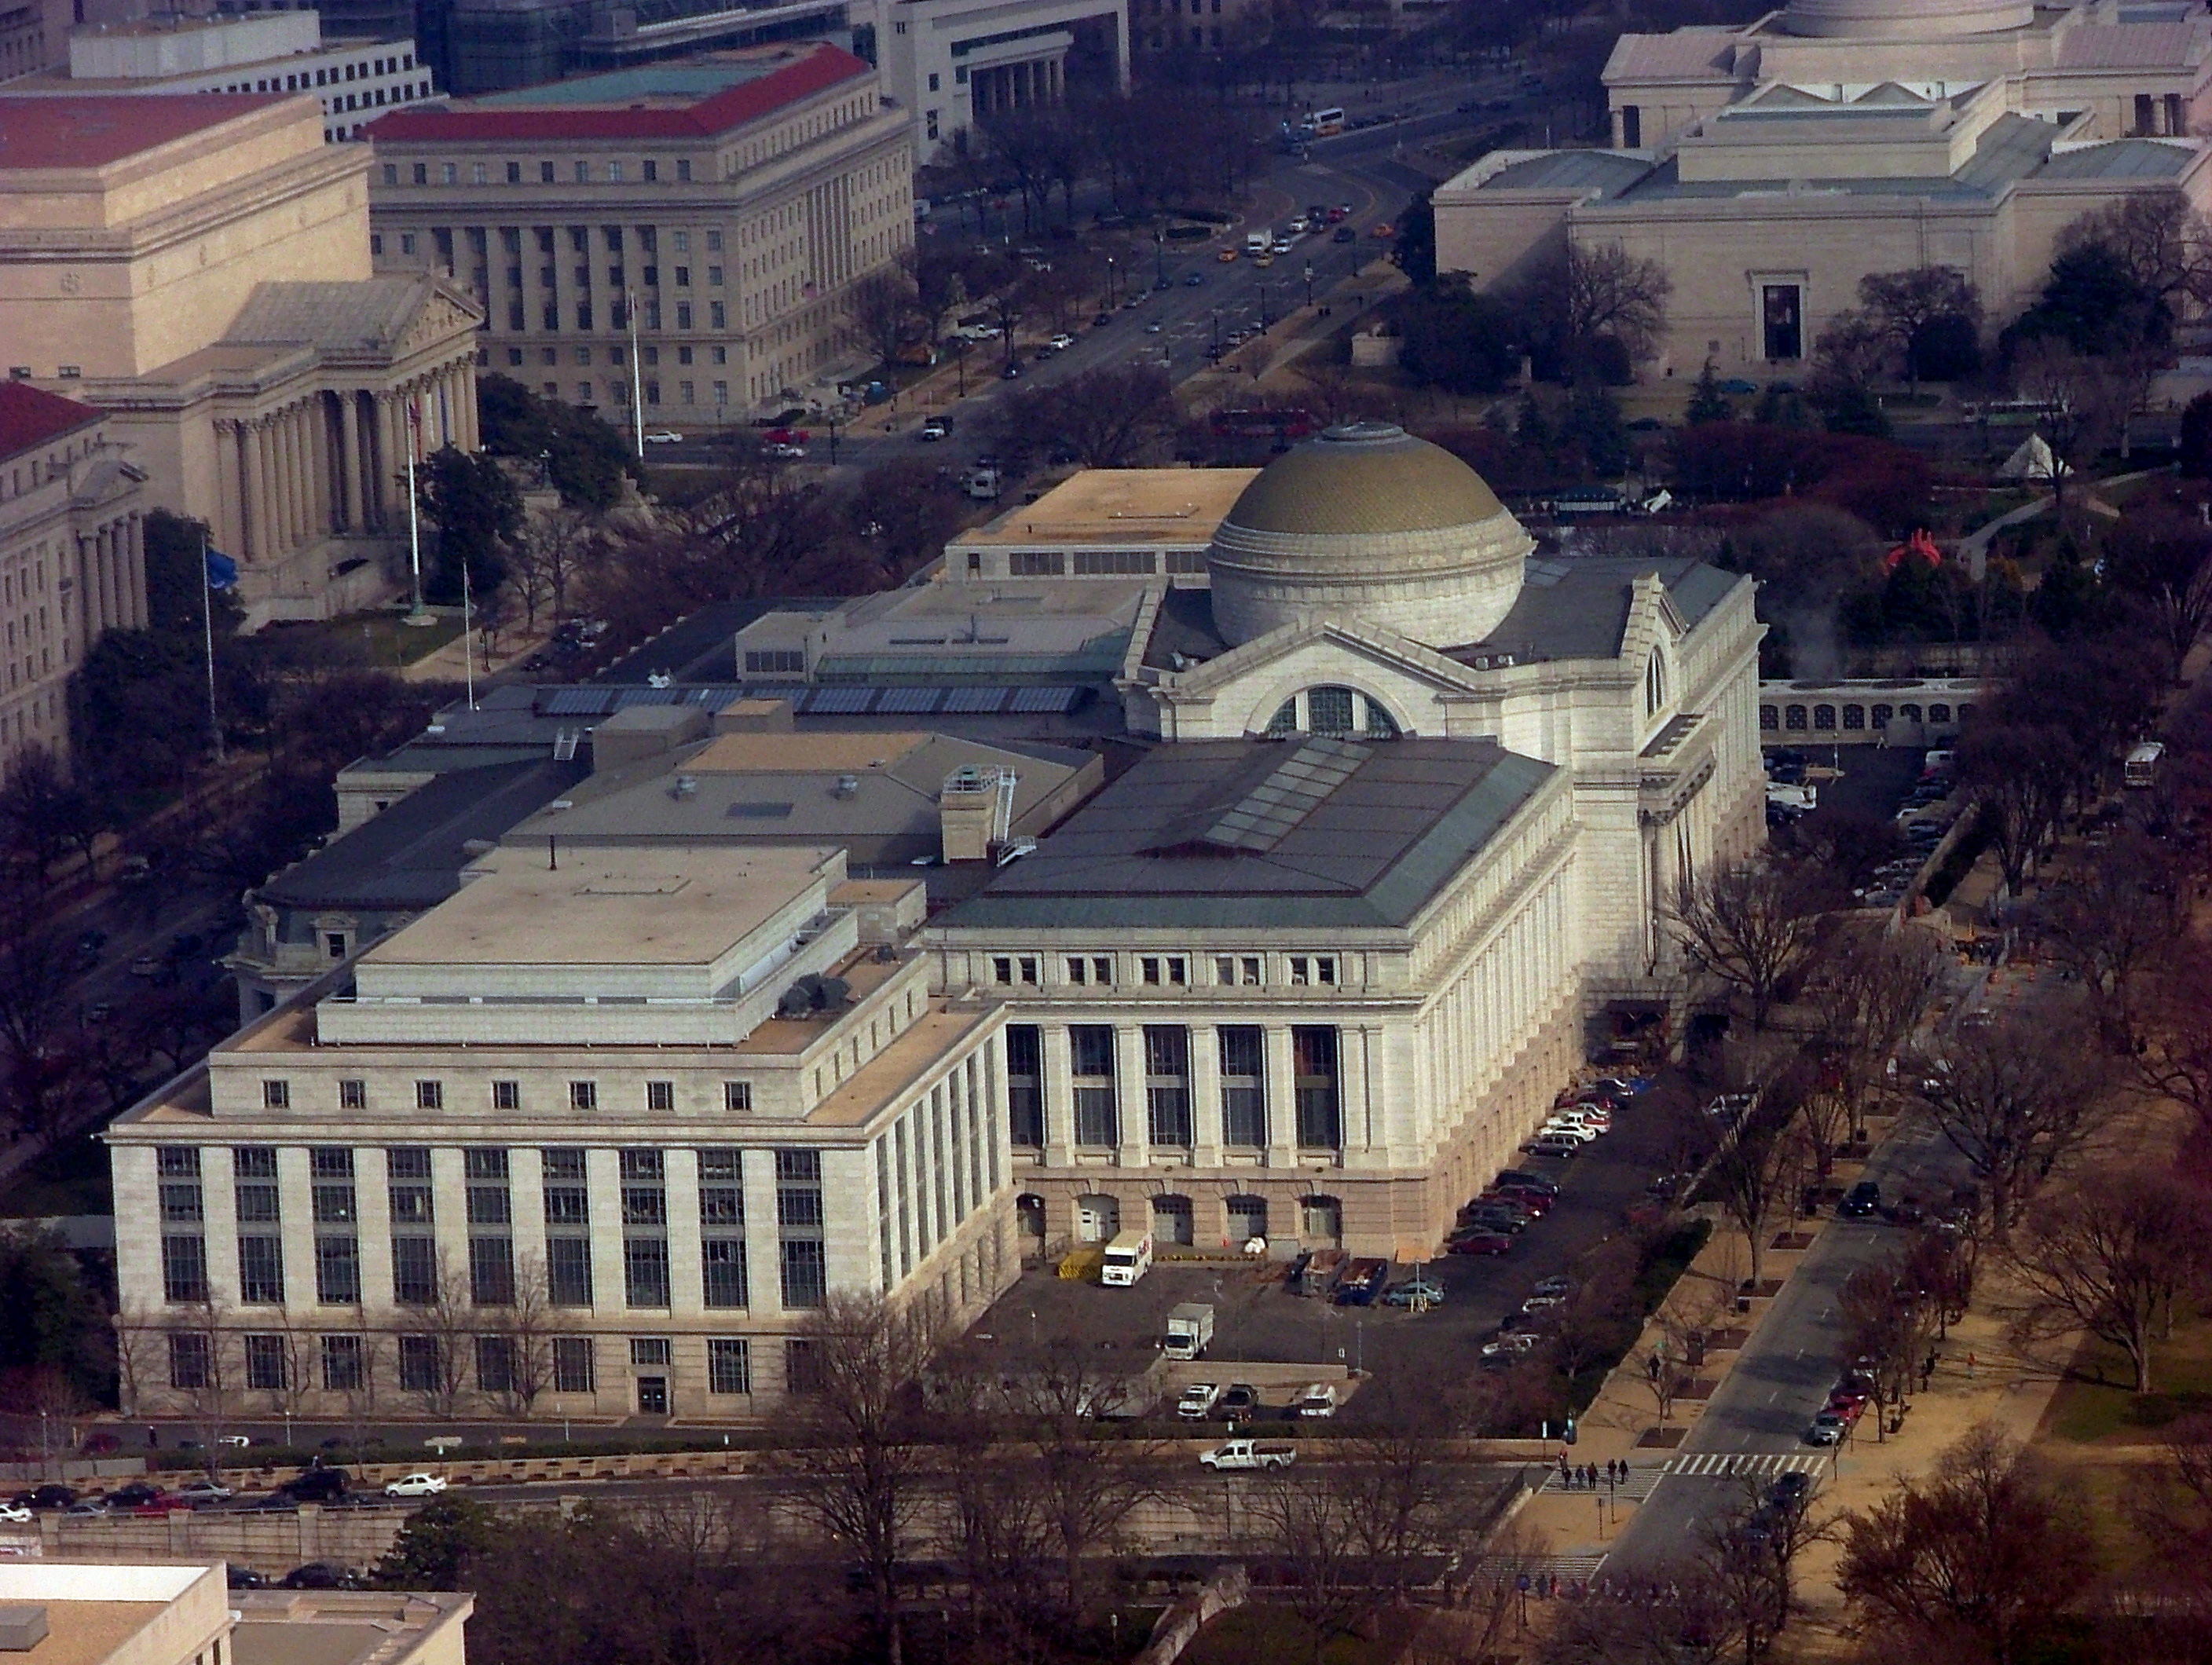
(330, 461)
(111, 580)
(1012, 86)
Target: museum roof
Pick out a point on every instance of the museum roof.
(364, 313)
(2122, 158)
(1361, 479)
(410, 855)
(30, 418)
(1119, 505)
(92, 130)
(1684, 54)
(747, 88)
(1577, 607)
(1606, 172)
(1321, 834)
(2014, 148)
(2130, 45)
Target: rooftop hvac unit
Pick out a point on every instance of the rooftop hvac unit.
(687, 785)
(848, 786)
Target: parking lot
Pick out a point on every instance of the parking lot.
(1256, 1318)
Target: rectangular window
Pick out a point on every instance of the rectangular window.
(1243, 1086)
(736, 1094)
(184, 1268)
(1782, 320)
(276, 1095)
(415, 1271)
(181, 1203)
(254, 1162)
(722, 1265)
(805, 1273)
(507, 1094)
(429, 1095)
(261, 1271)
(418, 1363)
(660, 1095)
(1167, 1084)
(721, 1199)
(342, 1371)
(264, 1364)
(177, 1161)
(189, 1371)
(1025, 1085)
(1314, 1087)
(495, 1371)
(337, 1270)
(583, 1095)
(649, 1352)
(572, 1371)
(1090, 1049)
(491, 1271)
(645, 1271)
(729, 1368)
(353, 1094)
(569, 1270)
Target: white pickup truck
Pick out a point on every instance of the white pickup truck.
(1237, 1454)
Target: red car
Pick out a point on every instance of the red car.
(1527, 1201)
(1482, 1242)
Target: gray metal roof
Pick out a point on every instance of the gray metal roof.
(2014, 148)
(365, 315)
(410, 855)
(1370, 850)
(1577, 607)
(1601, 171)
(2121, 159)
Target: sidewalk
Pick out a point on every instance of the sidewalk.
(446, 662)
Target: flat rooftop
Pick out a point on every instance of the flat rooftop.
(1266, 835)
(338, 1627)
(97, 128)
(604, 908)
(1121, 506)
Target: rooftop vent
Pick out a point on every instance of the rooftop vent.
(848, 786)
(22, 1627)
(687, 785)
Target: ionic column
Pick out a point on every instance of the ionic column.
(1059, 1098)
(138, 606)
(1206, 1096)
(469, 406)
(303, 485)
(1131, 1102)
(228, 489)
(318, 419)
(352, 508)
(387, 460)
(103, 544)
(1353, 1108)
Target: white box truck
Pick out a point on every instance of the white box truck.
(1129, 1258)
(1190, 1331)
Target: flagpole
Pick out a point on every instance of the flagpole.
(207, 624)
(636, 376)
(414, 514)
(468, 648)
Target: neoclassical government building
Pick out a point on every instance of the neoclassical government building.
(1418, 800)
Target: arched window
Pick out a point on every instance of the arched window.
(1910, 713)
(1331, 710)
(1881, 715)
(1853, 716)
(1247, 1216)
(1965, 713)
(1769, 718)
(1824, 716)
(1655, 684)
(1939, 713)
(1792, 717)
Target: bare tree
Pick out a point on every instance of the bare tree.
(1979, 1562)
(1311, 1530)
(884, 310)
(2162, 242)
(141, 1341)
(205, 1374)
(1755, 1178)
(2020, 773)
(553, 553)
(852, 1438)
(2112, 924)
(1870, 988)
(526, 1326)
(1603, 292)
(2015, 1098)
(1750, 924)
(2112, 1255)
(2171, 1514)
(1889, 1323)
(1907, 304)
(447, 1324)
(2173, 1056)
(1683, 1620)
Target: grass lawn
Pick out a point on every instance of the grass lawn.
(2087, 1411)
(378, 637)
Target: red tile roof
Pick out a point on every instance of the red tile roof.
(30, 418)
(94, 130)
(731, 107)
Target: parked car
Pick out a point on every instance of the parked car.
(1522, 1177)
(49, 1496)
(1414, 1291)
(239, 1577)
(1197, 1400)
(1317, 1399)
(415, 1485)
(1511, 1346)
(1537, 1304)
(16, 1514)
(1481, 1243)
(666, 436)
(204, 1491)
(1825, 1429)
(1789, 1491)
(1061, 342)
(322, 1484)
(131, 1495)
(318, 1574)
(1565, 1128)
(1730, 1105)
(1555, 1144)
(1863, 1201)
(1240, 1398)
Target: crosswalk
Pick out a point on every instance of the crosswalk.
(1582, 1567)
(1724, 1464)
(1635, 1488)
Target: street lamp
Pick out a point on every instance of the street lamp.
(1216, 334)
(960, 357)
(1109, 282)
(1264, 288)
(833, 441)
(1308, 282)
(1160, 259)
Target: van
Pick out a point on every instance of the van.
(1256, 242)
(1129, 1258)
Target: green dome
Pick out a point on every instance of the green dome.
(1367, 477)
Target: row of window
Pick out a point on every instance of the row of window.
(505, 1095)
(1092, 1099)
(1794, 718)
(1165, 970)
(1092, 563)
(615, 172)
(504, 1365)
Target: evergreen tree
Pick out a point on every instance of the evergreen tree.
(1529, 426)
(478, 511)
(1707, 402)
(1594, 423)
(2070, 601)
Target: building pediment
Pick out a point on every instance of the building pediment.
(372, 321)
(1265, 658)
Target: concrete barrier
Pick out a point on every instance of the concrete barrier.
(268, 1541)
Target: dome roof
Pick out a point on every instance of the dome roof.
(1365, 477)
(1905, 20)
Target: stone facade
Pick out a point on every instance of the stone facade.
(553, 1148)
(72, 558)
(197, 266)
(945, 63)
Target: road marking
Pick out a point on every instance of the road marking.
(1562, 1566)
(1642, 1478)
(1713, 1464)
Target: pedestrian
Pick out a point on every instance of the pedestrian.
(1593, 1477)
(1970, 1367)
(153, 1437)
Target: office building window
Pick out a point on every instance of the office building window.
(1243, 1086)
(1025, 1085)
(407, 1184)
(264, 1364)
(337, 1270)
(583, 1095)
(420, 1364)
(415, 1271)
(805, 1273)
(1314, 1087)
(276, 1095)
(491, 1270)
(1167, 1084)
(496, 1365)
(569, 1270)
(260, 1270)
(645, 1271)
(507, 1094)
(722, 1271)
(189, 1362)
(353, 1094)
(736, 1094)
(429, 1095)
(343, 1370)
(572, 1365)
(799, 1221)
(729, 1367)
(184, 1268)
(1091, 1051)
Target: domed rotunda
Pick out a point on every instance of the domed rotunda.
(1909, 20)
(1367, 523)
